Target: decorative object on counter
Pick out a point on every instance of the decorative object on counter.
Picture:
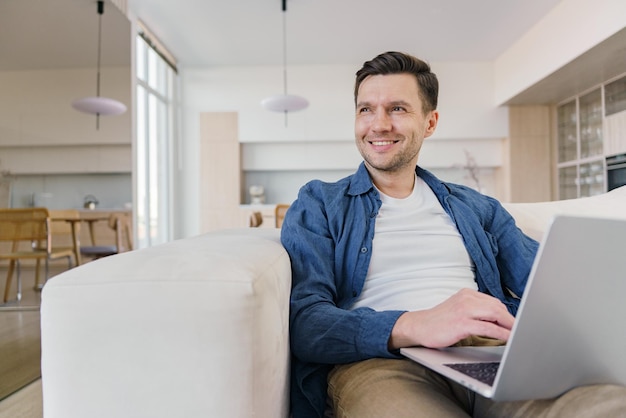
(285, 102)
(472, 171)
(99, 105)
(257, 195)
(90, 202)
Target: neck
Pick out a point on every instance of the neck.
(394, 184)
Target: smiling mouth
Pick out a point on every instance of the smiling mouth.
(382, 143)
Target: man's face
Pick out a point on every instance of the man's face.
(390, 125)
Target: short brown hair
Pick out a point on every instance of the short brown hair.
(399, 63)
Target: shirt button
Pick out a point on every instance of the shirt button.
(364, 250)
(354, 293)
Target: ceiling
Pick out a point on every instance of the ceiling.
(249, 32)
(57, 34)
(48, 34)
(63, 33)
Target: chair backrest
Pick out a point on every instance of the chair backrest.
(27, 224)
(279, 213)
(120, 223)
(255, 220)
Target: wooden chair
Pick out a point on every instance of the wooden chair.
(121, 226)
(26, 235)
(255, 219)
(279, 213)
(65, 232)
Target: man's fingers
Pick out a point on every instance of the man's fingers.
(491, 330)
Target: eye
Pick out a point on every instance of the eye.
(364, 109)
(398, 109)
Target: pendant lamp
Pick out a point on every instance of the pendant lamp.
(285, 102)
(98, 105)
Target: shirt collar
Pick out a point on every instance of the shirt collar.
(361, 181)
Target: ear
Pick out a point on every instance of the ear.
(431, 123)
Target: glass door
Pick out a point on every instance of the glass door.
(567, 117)
(580, 139)
(590, 127)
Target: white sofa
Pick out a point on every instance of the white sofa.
(194, 328)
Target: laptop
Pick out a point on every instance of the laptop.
(569, 329)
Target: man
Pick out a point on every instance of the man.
(392, 257)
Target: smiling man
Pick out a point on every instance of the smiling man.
(392, 257)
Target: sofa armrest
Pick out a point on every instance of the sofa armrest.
(194, 327)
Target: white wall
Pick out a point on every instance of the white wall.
(465, 101)
(318, 141)
(51, 148)
(35, 107)
(569, 30)
(63, 191)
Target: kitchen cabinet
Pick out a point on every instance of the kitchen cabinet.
(615, 117)
(580, 144)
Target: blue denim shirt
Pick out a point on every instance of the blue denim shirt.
(328, 232)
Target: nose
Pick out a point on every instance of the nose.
(381, 121)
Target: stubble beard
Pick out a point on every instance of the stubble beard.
(398, 162)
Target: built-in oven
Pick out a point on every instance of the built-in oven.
(616, 171)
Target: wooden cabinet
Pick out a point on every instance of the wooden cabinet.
(529, 145)
(220, 171)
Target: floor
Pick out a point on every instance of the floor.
(20, 339)
(27, 403)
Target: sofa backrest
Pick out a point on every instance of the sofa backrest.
(533, 218)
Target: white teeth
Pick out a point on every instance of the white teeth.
(381, 143)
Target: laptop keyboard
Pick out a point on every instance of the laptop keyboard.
(484, 372)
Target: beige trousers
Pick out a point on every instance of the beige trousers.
(402, 388)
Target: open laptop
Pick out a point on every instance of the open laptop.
(570, 327)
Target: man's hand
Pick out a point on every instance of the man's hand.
(466, 313)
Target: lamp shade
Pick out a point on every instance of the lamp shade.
(97, 105)
(285, 103)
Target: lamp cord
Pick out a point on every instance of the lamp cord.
(285, 46)
(100, 13)
(285, 53)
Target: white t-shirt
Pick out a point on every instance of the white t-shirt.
(418, 256)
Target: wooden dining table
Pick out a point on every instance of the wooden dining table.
(73, 218)
(91, 217)
(62, 218)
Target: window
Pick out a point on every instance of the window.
(156, 93)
